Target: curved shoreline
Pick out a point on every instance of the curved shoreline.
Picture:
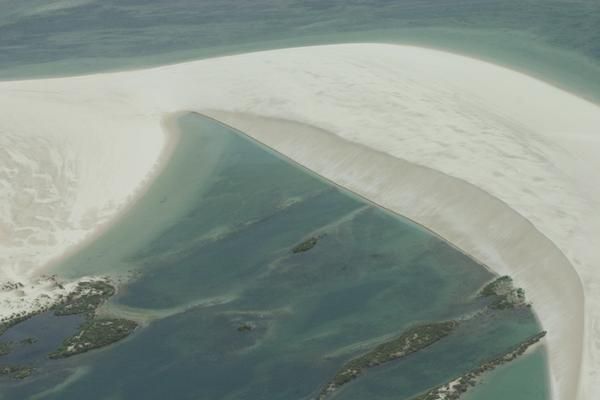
(445, 206)
(529, 145)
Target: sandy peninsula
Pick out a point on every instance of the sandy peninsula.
(499, 164)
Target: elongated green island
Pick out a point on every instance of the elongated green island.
(413, 340)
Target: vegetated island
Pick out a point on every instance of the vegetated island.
(16, 371)
(85, 299)
(95, 332)
(455, 388)
(306, 245)
(503, 294)
(413, 340)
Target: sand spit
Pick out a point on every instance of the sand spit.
(472, 220)
(501, 165)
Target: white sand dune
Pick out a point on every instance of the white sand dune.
(499, 164)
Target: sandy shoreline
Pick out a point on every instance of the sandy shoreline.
(172, 137)
(495, 162)
(443, 205)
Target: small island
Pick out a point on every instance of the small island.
(94, 334)
(503, 294)
(306, 245)
(246, 327)
(16, 372)
(413, 340)
(85, 299)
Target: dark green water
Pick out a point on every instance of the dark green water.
(210, 246)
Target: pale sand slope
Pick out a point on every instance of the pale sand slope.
(511, 162)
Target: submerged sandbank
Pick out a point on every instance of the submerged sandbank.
(500, 151)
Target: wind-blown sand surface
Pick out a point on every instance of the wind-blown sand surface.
(497, 163)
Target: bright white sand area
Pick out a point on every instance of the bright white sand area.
(499, 164)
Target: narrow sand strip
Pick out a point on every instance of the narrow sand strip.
(511, 162)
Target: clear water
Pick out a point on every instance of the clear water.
(507, 382)
(219, 255)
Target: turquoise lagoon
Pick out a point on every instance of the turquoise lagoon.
(209, 249)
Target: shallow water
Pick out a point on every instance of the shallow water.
(506, 382)
(220, 256)
(47, 332)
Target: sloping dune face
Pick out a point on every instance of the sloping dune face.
(499, 164)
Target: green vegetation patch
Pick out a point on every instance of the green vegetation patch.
(413, 340)
(5, 348)
(85, 299)
(94, 334)
(505, 295)
(29, 340)
(16, 371)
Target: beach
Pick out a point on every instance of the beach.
(498, 164)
